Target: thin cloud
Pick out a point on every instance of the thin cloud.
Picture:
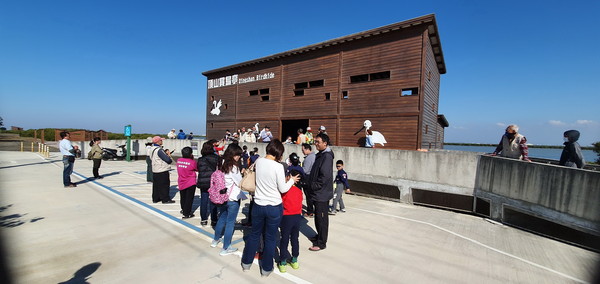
(584, 122)
(501, 124)
(556, 123)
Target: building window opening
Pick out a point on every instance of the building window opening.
(212, 98)
(264, 91)
(327, 96)
(426, 129)
(410, 92)
(253, 93)
(380, 76)
(302, 85)
(359, 78)
(317, 83)
(225, 106)
(264, 98)
(345, 95)
(298, 93)
(212, 125)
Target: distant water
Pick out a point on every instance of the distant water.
(545, 153)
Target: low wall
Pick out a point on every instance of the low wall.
(567, 196)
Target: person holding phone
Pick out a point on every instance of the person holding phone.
(161, 161)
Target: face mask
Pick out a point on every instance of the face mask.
(566, 139)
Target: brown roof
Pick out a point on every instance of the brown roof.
(428, 20)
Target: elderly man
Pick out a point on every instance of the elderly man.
(513, 145)
(161, 183)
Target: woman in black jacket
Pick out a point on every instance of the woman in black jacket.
(207, 164)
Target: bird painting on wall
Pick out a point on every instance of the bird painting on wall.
(216, 110)
(372, 137)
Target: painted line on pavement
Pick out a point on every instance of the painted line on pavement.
(477, 243)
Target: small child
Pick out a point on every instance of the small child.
(341, 183)
(290, 226)
(186, 171)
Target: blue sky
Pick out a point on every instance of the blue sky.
(106, 64)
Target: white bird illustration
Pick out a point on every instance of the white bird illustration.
(216, 110)
(377, 137)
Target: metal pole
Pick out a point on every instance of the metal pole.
(21, 146)
(31, 146)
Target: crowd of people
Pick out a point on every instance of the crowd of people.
(275, 207)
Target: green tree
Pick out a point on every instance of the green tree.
(597, 150)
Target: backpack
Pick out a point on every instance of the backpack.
(217, 192)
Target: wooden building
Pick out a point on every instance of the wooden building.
(82, 135)
(388, 75)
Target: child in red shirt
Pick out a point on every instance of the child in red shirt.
(290, 226)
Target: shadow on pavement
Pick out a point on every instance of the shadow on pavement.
(82, 275)
(31, 164)
(93, 179)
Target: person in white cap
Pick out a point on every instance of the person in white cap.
(322, 130)
(309, 136)
(172, 135)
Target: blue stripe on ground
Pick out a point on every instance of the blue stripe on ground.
(171, 217)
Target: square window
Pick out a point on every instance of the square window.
(253, 93)
(345, 95)
(264, 91)
(264, 98)
(380, 76)
(298, 93)
(327, 96)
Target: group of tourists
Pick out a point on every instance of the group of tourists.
(181, 135)
(276, 204)
(513, 145)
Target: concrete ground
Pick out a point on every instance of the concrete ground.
(109, 231)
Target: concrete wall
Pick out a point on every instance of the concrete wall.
(563, 195)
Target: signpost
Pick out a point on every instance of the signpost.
(128, 135)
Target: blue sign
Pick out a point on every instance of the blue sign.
(127, 130)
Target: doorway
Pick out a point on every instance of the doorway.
(290, 128)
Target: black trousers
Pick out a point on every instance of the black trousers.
(148, 169)
(310, 205)
(187, 199)
(160, 187)
(96, 167)
(322, 222)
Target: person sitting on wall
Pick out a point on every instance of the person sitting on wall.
(181, 135)
(571, 155)
(172, 135)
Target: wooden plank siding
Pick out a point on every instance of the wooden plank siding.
(407, 121)
(430, 128)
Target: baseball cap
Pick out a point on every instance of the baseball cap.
(155, 139)
(322, 127)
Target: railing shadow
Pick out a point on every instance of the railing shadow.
(89, 179)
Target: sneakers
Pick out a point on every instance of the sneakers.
(228, 251)
(215, 243)
(294, 264)
(282, 267)
(188, 216)
(264, 273)
(331, 212)
(204, 223)
(343, 210)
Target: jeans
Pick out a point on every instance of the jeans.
(68, 169)
(290, 231)
(207, 207)
(226, 223)
(264, 219)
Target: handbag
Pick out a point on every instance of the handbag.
(90, 155)
(249, 180)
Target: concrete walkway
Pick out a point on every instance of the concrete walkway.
(108, 231)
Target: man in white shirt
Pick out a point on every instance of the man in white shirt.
(66, 149)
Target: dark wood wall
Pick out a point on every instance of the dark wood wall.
(340, 104)
(431, 82)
